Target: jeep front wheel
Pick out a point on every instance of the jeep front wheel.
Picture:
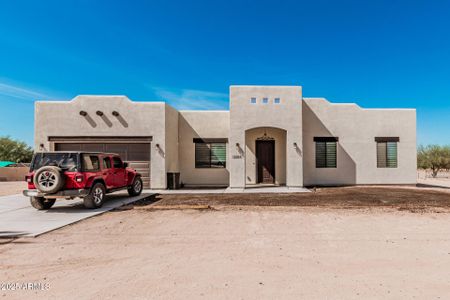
(41, 203)
(96, 196)
(136, 187)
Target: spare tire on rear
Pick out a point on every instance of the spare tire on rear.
(48, 179)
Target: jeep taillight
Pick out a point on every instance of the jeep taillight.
(29, 178)
(79, 178)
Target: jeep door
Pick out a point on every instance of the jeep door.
(108, 172)
(119, 172)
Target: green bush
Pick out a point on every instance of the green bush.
(433, 157)
(14, 150)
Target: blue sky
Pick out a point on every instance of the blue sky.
(375, 53)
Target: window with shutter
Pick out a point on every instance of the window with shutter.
(210, 155)
(326, 152)
(387, 152)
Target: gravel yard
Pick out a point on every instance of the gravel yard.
(402, 198)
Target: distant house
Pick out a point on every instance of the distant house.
(270, 135)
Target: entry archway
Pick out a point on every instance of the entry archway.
(265, 156)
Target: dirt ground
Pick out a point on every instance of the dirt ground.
(237, 253)
(343, 243)
(442, 179)
(12, 187)
(402, 198)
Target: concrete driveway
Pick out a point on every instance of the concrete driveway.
(18, 218)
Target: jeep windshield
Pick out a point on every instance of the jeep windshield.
(65, 161)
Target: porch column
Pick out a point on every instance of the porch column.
(294, 158)
(236, 159)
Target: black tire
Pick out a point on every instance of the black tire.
(136, 187)
(48, 179)
(96, 196)
(41, 203)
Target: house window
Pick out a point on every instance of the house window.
(387, 152)
(253, 100)
(265, 100)
(276, 100)
(326, 152)
(210, 154)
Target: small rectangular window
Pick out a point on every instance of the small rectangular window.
(276, 100)
(265, 100)
(387, 152)
(253, 100)
(326, 152)
(210, 155)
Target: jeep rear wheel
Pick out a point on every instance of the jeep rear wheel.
(41, 203)
(96, 196)
(136, 187)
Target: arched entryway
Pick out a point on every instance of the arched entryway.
(265, 156)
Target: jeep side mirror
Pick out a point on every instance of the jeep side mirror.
(125, 165)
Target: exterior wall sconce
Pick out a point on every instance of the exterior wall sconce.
(99, 113)
(157, 146)
(237, 145)
(83, 113)
(115, 113)
(41, 147)
(295, 145)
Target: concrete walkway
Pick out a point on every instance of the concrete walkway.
(18, 218)
(253, 189)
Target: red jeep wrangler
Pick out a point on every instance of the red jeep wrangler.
(87, 175)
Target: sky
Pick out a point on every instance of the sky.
(379, 54)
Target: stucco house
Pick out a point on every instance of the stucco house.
(271, 135)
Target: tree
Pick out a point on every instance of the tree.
(14, 150)
(433, 157)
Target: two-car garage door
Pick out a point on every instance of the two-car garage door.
(136, 153)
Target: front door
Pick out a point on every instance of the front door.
(265, 160)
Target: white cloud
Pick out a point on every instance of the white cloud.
(193, 99)
(15, 91)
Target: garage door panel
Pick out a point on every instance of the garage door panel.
(136, 154)
(68, 147)
(120, 149)
(92, 147)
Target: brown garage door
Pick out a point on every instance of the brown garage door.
(136, 154)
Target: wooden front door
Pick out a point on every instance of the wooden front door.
(265, 161)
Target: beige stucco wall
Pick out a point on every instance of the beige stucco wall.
(201, 124)
(53, 118)
(171, 149)
(13, 173)
(279, 137)
(295, 121)
(287, 115)
(357, 129)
